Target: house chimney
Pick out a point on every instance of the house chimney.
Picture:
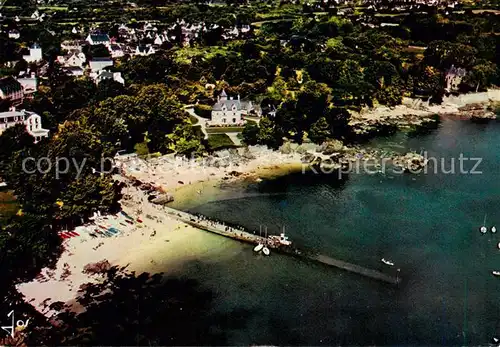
(239, 98)
(12, 109)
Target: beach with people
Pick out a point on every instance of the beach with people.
(143, 237)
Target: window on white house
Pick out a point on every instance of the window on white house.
(223, 120)
(234, 120)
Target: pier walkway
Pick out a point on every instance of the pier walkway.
(244, 236)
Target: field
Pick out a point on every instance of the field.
(218, 130)
(185, 54)
(219, 141)
(8, 206)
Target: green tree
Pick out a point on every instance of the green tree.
(184, 141)
(74, 191)
(27, 245)
(269, 134)
(108, 120)
(338, 120)
(480, 77)
(109, 88)
(319, 131)
(390, 96)
(12, 140)
(250, 133)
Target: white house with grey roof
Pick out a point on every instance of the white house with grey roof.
(228, 111)
(35, 54)
(31, 120)
(74, 58)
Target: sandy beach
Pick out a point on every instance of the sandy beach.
(174, 174)
(157, 244)
(150, 241)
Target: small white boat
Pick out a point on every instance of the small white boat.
(496, 273)
(387, 262)
(498, 245)
(258, 248)
(493, 229)
(266, 250)
(284, 239)
(495, 340)
(483, 229)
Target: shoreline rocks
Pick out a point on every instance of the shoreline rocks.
(411, 162)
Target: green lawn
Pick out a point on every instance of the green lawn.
(184, 55)
(193, 119)
(54, 8)
(218, 130)
(219, 141)
(8, 206)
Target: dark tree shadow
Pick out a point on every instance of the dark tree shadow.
(129, 309)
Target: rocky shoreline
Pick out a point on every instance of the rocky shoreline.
(382, 120)
(333, 155)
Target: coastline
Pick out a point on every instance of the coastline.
(415, 112)
(158, 244)
(161, 245)
(174, 243)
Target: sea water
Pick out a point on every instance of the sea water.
(427, 224)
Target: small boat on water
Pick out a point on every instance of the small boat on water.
(493, 229)
(496, 273)
(258, 248)
(483, 229)
(266, 250)
(387, 262)
(284, 239)
(498, 245)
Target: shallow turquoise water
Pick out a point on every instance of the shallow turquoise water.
(427, 224)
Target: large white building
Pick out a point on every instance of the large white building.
(98, 64)
(31, 120)
(73, 59)
(229, 111)
(35, 54)
(29, 84)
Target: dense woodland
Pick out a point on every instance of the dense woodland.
(308, 63)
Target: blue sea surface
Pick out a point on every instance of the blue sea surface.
(426, 223)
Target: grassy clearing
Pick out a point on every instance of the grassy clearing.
(184, 55)
(221, 130)
(8, 206)
(220, 141)
(391, 14)
(415, 49)
(54, 8)
(193, 119)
